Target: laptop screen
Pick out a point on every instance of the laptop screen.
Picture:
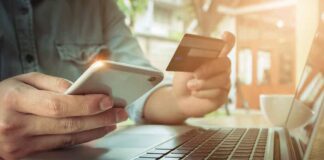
(309, 96)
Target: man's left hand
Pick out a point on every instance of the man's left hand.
(207, 88)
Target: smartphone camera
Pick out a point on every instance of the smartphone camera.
(152, 79)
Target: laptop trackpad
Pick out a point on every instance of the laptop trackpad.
(123, 144)
(143, 136)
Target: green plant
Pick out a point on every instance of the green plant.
(131, 8)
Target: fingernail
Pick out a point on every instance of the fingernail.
(193, 84)
(224, 34)
(121, 115)
(106, 103)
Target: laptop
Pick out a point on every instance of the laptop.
(293, 141)
(152, 142)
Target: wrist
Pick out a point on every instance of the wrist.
(179, 108)
(162, 107)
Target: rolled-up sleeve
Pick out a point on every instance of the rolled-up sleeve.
(136, 109)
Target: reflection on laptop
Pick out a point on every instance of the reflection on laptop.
(291, 142)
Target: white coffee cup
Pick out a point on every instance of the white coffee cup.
(276, 108)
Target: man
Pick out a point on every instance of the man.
(43, 40)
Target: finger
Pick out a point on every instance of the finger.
(49, 104)
(43, 125)
(45, 82)
(229, 39)
(42, 143)
(221, 81)
(217, 94)
(213, 68)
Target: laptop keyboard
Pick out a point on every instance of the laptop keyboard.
(221, 144)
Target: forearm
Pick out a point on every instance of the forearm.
(161, 107)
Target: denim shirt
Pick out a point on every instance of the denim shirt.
(61, 38)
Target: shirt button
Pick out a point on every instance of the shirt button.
(29, 58)
(24, 10)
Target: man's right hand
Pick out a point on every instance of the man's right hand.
(35, 115)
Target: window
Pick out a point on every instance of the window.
(264, 66)
(245, 66)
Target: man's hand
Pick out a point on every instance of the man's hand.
(35, 115)
(193, 94)
(207, 88)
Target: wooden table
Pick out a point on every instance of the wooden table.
(247, 120)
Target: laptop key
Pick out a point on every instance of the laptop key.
(218, 156)
(171, 144)
(222, 152)
(165, 158)
(180, 151)
(186, 148)
(158, 151)
(175, 155)
(258, 154)
(225, 149)
(195, 158)
(195, 154)
(151, 156)
(203, 151)
(239, 158)
(259, 151)
(243, 151)
(241, 155)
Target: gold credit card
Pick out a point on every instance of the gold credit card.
(193, 51)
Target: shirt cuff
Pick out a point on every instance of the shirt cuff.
(136, 109)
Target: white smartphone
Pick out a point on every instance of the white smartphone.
(124, 82)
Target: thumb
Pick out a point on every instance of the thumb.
(229, 39)
(45, 82)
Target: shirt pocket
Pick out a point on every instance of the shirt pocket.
(82, 54)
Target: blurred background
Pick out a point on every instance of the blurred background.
(273, 39)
